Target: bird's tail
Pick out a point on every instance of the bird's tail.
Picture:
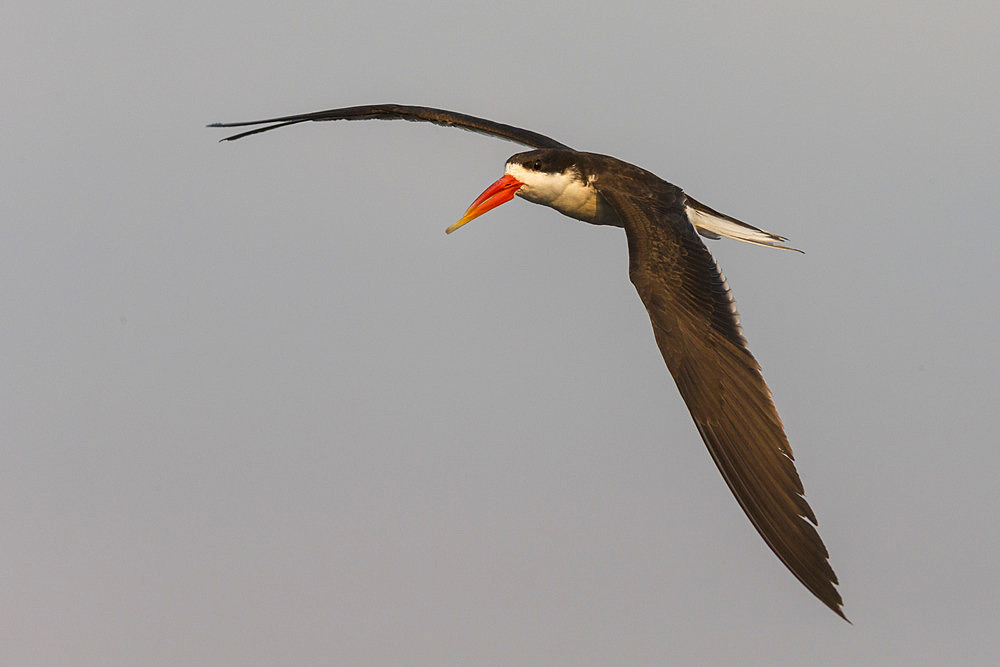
(712, 224)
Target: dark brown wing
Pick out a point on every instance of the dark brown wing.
(403, 112)
(698, 332)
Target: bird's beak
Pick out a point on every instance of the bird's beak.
(500, 192)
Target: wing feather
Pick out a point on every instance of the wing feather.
(403, 112)
(698, 332)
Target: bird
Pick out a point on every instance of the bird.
(692, 311)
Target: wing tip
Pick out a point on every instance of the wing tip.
(836, 606)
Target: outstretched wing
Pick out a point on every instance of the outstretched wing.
(698, 332)
(403, 112)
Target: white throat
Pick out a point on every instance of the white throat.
(566, 192)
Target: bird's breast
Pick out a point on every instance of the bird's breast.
(586, 204)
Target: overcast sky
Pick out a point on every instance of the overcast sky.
(258, 409)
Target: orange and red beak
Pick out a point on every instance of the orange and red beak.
(499, 193)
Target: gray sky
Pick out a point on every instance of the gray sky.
(259, 409)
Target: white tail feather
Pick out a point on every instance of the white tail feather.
(713, 224)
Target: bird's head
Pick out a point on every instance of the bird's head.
(541, 176)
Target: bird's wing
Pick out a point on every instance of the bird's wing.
(698, 332)
(403, 112)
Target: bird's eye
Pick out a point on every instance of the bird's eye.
(537, 165)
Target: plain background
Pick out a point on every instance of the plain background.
(257, 408)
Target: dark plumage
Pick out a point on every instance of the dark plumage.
(693, 314)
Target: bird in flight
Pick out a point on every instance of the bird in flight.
(693, 314)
